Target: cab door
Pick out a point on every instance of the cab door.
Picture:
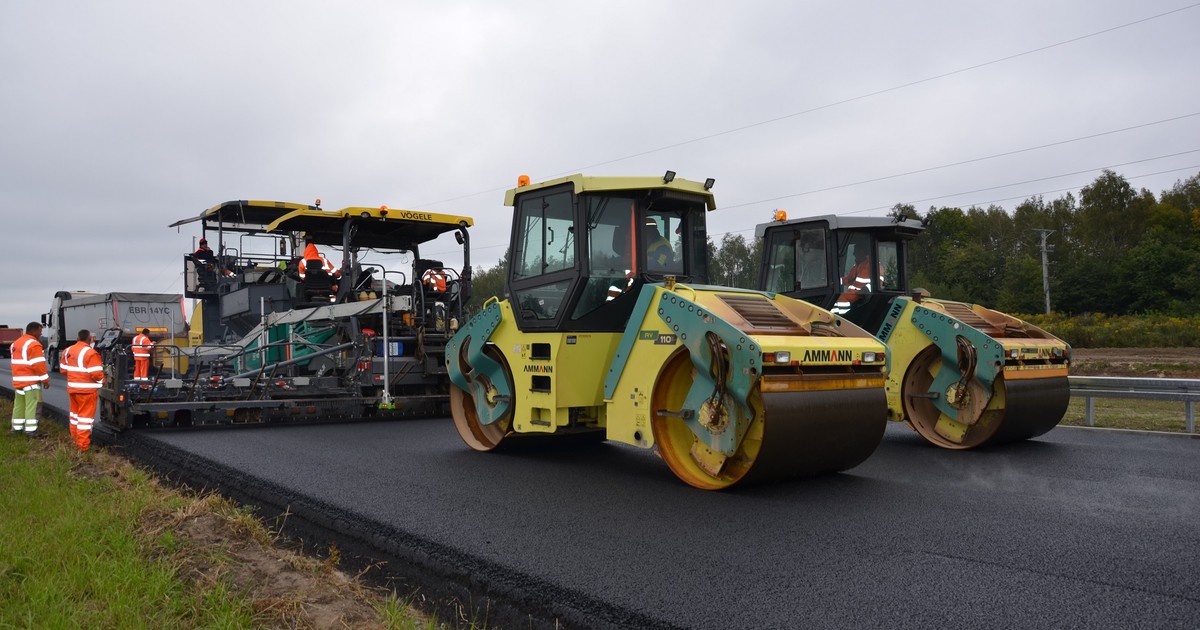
(544, 270)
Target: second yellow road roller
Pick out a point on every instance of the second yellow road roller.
(962, 375)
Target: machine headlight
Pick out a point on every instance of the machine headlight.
(777, 357)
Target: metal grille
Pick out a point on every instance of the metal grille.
(759, 311)
(964, 314)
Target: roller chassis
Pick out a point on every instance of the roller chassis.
(729, 386)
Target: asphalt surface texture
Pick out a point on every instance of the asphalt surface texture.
(1078, 528)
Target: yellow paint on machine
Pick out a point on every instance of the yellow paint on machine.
(559, 376)
(554, 372)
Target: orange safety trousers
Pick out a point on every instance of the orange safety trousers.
(83, 415)
(141, 369)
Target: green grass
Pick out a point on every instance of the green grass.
(91, 541)
(1120, 413)
(72, 556)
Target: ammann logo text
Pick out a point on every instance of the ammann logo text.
(828, 355)
(543, 369)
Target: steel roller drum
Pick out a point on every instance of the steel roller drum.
(815, 432)
(1032, 407)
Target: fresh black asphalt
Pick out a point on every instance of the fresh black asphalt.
(1079, 528)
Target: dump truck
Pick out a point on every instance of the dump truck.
(115, 318)
(276, 337)
(961, 375)
(611, 332)
(7, 337)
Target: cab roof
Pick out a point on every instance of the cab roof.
(243, 215)
(584, 183)
(381, 227)
(905, 227)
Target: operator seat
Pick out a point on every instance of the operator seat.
(318, 284)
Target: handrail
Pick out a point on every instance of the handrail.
(1183, 389)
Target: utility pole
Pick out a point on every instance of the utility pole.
(1046, 249)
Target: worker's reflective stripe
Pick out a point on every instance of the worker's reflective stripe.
(863, 280)
(77, 373)
(24, 349)
(141, 347)
(28, 364)
(81, 423)
(94, 368)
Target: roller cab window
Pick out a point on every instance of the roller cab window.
(543, 268)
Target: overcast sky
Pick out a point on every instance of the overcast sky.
(122, 117)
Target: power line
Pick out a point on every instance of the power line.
(835, 103)
(1195, 167)
(1024, 196)
(1047, 192)
(934, 168)
(886, 90)
(960, 163)
(1041, 179)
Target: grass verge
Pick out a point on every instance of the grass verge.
(1120, 413)
(92, 541)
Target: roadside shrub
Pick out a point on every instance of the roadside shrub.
(1097, 330)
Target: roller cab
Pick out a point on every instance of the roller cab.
(961, 374)
(611, 330)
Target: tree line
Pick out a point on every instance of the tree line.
(1115, 250)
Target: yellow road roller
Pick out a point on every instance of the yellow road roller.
(610, 330)
(961, 374)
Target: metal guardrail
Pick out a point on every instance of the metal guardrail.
(1183, 389)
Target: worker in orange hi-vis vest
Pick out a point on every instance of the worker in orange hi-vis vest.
(142, 347)
(312, 253)
(435, 279)
(85, 375)
(310, 250)
(29, 379)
